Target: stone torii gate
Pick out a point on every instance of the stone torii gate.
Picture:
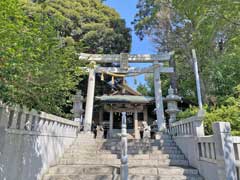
(123, 59)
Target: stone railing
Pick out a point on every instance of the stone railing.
(189, 127)
(216, 156)
(236, 146)
(31, 141)
(207, 149)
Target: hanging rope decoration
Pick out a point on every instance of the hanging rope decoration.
(112, 80)
(124, 75)
(129, 74)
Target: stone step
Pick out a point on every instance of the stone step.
(148, 148)
(72, 161)
(110, 170)
(90, 156)
(109, 155)
(78, 177)
(138, 145)
(84, 169)
(168, 156)
(83, 151)
(118, 156)
(141, 142)
(117, 177)
(100, 143)
(165, 151)
(161, 162)
(162, 170)
(88, 148)
(146, 162)
(155, 157)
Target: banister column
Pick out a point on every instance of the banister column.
(90, 98)
(224, 151)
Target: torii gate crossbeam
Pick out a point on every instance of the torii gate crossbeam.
(133, 58)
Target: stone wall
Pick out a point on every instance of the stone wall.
(31, 141)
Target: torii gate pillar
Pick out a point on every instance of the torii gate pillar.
(158, 97)
(90, 99)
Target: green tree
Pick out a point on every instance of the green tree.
(210, 27)
(36, 69)
(39, 65)
(91, 25)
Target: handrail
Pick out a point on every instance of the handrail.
(14, 118)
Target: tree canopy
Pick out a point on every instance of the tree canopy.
(212, 27)
(39, 45)
(92, 26)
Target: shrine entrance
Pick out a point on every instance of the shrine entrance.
(117, 120)
(127, 100)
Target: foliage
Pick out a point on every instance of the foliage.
(36, 70)
(228, 112)
(92, 26)
(142, 88)
(39, 66)
(210, 27)
(191, 111)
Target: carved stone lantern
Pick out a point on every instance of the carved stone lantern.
(172, 101)
(78, 107)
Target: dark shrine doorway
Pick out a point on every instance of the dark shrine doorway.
(117, 120)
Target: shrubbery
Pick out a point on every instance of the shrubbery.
(228, 112)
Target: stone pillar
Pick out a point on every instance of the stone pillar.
(124, 155)
(78, 108)
(90, 99)
(111, 123)
(158, 97)
(136, 131)
(224, 151)
(198, 127)
(4, 116)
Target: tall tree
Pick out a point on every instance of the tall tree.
(93, 26)
(39, 66)
(211, 27)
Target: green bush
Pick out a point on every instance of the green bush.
(192, 111)
(229, 111)
(226, 113)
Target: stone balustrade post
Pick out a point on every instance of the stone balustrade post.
(4, 116)
(198, 127)
(124, 149)
(224, 151)
(13, 118)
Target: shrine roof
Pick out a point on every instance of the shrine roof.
(126, 99)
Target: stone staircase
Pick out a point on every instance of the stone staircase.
(94, 159)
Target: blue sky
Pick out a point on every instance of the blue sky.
(127, 10)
